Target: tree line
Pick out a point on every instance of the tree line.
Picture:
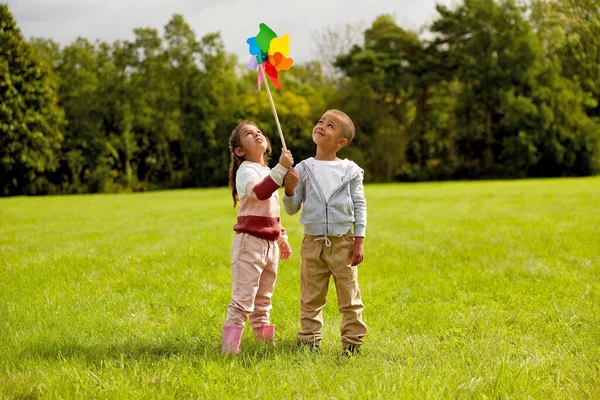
(489, 89)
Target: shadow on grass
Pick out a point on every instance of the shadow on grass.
(133, 348)
(148, 349)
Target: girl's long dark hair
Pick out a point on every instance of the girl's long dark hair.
(236, 161)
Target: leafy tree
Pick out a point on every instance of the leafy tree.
(31, 120)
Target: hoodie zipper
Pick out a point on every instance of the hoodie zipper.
(314, 178)
(330, 197)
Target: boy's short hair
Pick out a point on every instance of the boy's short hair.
(348, 129)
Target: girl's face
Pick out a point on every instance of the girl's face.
(253, 143)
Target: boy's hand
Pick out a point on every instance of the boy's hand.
(286, 158)
(357, 253)
(285, 250)
(291, 181)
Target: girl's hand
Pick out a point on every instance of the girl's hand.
(285, 251)
(286, 158)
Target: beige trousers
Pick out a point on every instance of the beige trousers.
(319, 262)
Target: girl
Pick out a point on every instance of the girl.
(259, 237)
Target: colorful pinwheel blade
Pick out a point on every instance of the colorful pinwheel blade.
(272, 74)
(260, 80)
(280, 62)
(264, 37)
(253, 47)
(252, 64)
(280, 45)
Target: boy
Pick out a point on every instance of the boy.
(333, 196)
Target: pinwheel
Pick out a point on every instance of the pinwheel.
(269, 55)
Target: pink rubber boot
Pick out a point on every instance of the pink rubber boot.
(265, 333)
(232, 336)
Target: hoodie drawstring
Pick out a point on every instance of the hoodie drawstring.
(326, 239)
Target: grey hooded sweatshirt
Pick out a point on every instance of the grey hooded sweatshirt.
(346, 207)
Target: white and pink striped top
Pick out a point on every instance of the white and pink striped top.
(258, 214)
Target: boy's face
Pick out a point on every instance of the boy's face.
(328, 133)
(252, 142)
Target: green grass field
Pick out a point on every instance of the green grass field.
(472, 290)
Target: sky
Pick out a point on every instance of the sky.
(236, 20)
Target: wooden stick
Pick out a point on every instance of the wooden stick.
(266, 82)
